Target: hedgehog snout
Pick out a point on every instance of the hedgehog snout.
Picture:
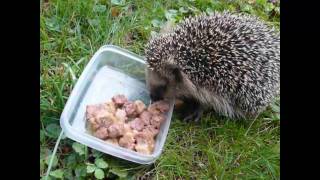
(157, 94)
(155, 97)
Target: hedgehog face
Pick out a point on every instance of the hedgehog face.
(162, 85)
(156, 84)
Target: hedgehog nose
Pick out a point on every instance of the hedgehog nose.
(155, 98)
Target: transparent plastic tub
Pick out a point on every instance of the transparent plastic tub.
(111, 71)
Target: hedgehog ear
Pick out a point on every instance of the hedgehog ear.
(175, 71)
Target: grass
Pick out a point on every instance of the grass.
(217, 148)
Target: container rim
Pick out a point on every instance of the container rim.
(98, 144)
(122, 51)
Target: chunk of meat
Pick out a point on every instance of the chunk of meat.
(151, 131)
(110, 107)
(153, 110)
(127, 128)
(106, 119)
(116, 130)
(143, 148)
(112, 141)
(119, 100)
(91, 120)
(156, 120)
(101, 133)
(128, 140)
(163, 106)
(146, 116)
(130, 109)
(121, 115)
(145, 143)
(140, 106)
(159, 107)
(92, 110)
(94, 126)
(103, 114)
(137, 124)
(109, 121)
(101, 119)
(97, 111)
(155, 125)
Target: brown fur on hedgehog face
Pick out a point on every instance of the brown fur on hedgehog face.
(163, 85)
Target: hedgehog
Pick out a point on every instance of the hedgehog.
(225, 62)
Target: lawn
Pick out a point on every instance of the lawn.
(217, 148)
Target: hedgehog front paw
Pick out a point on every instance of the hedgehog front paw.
(194, 116)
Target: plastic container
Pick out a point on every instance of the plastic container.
(111, 71)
